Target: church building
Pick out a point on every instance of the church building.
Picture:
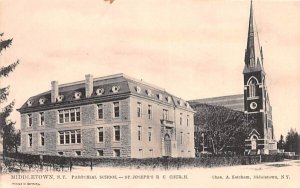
(255, 101)
(256, 98)
(111, 116)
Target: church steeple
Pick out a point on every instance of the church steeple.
(256, 99)
(253, 55)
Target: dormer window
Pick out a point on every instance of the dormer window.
(169, 99)
(149, 92)
(99, 91)
(42, 101)
(180, 102)
(29, 103)
(160, 97)
(77, 95)
(138, 89)
(188, 105)
(60, 98)
(115, 89)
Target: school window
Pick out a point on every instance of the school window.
(29, 120)
(61, 116)
(180, 120)
(69, 115)
(69, 137)
(150, 134)
(42, 118)
(116, 109)
(100, 153)
(139, 133)
(100, 134)
(29, 140)
(117, 153)
(42, 139)
(165, 114)
(149, 112)
(72, 114)
(77, 114)
(181, 139)
(139, 109)
(73, 136)
(187, 120)
(100, 111)
(78, 136)
(117, 133)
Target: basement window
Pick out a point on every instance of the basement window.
(60, 153)
(117, 153)
(78, 153)
(100, 153)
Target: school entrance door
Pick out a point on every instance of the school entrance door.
(167, 141)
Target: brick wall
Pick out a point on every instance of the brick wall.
(51, 142)
(88, 114)
(186, 147)
(128, 122)
(23, 142)
(51, 119)
(88, 142)
(158, 132)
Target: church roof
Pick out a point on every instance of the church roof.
(234, 102)
(253, 55)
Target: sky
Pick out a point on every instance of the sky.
(193, 48)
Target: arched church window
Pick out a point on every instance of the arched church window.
(254, 137)
(252, 88)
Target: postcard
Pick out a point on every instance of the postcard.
(126, 93)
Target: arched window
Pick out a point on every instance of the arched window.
(252, 88)
(254, 137)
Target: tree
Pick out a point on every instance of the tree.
(224, 129)
(5, 123)
(292, 142)
(11, 139)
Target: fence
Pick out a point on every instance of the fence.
(19, 161)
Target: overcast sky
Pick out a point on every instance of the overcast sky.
(192, 48)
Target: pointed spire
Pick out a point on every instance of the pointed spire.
(253, 55)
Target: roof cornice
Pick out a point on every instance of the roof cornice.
(74, 103)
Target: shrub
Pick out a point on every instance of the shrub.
(62, 162)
